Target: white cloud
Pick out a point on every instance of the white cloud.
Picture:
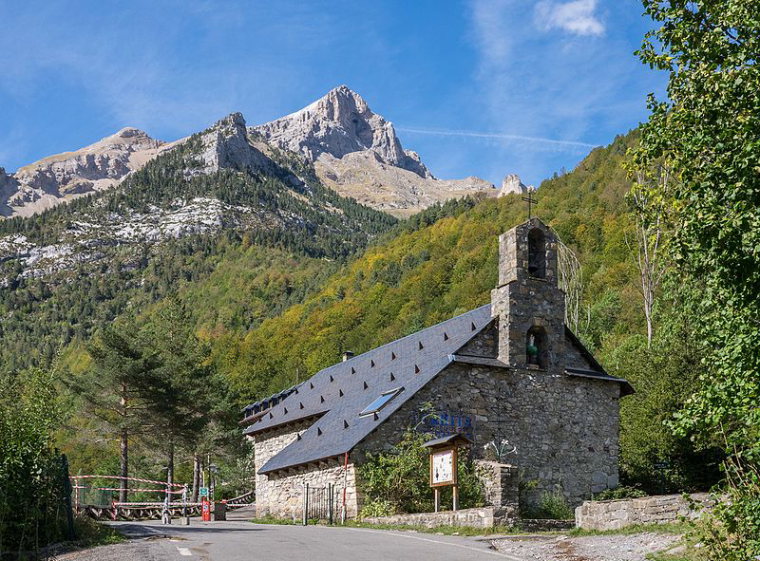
(576, 17)
(571, 145)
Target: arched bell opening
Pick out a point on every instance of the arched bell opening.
(537, 253)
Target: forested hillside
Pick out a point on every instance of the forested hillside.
(420, 276)
(272, 306)
(68, 271)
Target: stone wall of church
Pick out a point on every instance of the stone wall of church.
(280, 494)
(565, 428)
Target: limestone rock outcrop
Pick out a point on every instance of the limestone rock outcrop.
(337, 124)
(226, 146)
(65, 176)
(513, 184)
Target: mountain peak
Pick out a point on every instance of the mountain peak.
(131, 132)
(513, 184)
(337, 124)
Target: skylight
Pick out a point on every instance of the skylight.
(380, 402)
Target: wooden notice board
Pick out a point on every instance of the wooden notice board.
(443, 467)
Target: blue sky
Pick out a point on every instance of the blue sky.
(477, 87)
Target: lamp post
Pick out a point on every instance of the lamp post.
(213, 469)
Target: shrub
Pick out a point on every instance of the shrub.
(32, 484)
(377, 507)
(553, 505)
(398, 480)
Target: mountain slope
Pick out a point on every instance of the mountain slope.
(357, 153)
(65, 272)
(97, 167)
(443, 267)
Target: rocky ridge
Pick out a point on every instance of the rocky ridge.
(353, 150)
(63, 177)
(513, 184)
(357, 153)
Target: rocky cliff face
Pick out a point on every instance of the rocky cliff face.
(226, 145)
(340, 123)
(513, 184)
(357, 153)
(62, 177)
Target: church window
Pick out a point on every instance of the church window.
(535, 347)
(536, 253)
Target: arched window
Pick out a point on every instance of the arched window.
(536, 351)
(536, 253)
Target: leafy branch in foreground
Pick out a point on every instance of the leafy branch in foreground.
(707, 134)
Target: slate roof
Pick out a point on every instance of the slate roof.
(625, 389)
(336, 395)
(340, 392)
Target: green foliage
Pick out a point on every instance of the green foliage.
(553, 505)
(32, 480)
(398, 481)
(665, 376)
(706, 133)
(378, 507)
(302, 230)
(732, 528)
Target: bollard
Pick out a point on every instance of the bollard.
(220, 511)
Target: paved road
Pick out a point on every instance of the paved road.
(243, 541)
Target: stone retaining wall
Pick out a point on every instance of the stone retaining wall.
(613, 515)
(486, 517)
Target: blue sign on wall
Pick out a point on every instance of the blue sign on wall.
(444, 423)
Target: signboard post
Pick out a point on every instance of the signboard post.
(443, 466)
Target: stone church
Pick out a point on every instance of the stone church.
(508, 370)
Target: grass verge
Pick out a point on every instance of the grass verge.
(91, 533)
(672, 528)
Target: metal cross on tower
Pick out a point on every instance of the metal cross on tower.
(530, 200)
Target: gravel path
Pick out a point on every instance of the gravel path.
(127, 551)
(632, 547)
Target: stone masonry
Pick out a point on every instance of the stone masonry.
(560, 411)
(562, 444)
(661, 509)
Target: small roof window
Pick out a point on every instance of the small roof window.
(380, 402)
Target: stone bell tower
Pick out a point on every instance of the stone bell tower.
(528, 302)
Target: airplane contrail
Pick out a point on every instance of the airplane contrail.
(497, 135)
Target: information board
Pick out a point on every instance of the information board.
(443, 468)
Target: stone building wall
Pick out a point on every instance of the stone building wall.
(280, 494)
(565, 428)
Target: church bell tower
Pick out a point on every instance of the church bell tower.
(528, 302)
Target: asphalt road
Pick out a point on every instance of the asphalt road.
(244, 541)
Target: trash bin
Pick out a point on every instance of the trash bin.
(220, 511)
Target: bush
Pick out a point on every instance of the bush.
(377, 507)
(552, 506)
(622, 492)
(399, 480)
